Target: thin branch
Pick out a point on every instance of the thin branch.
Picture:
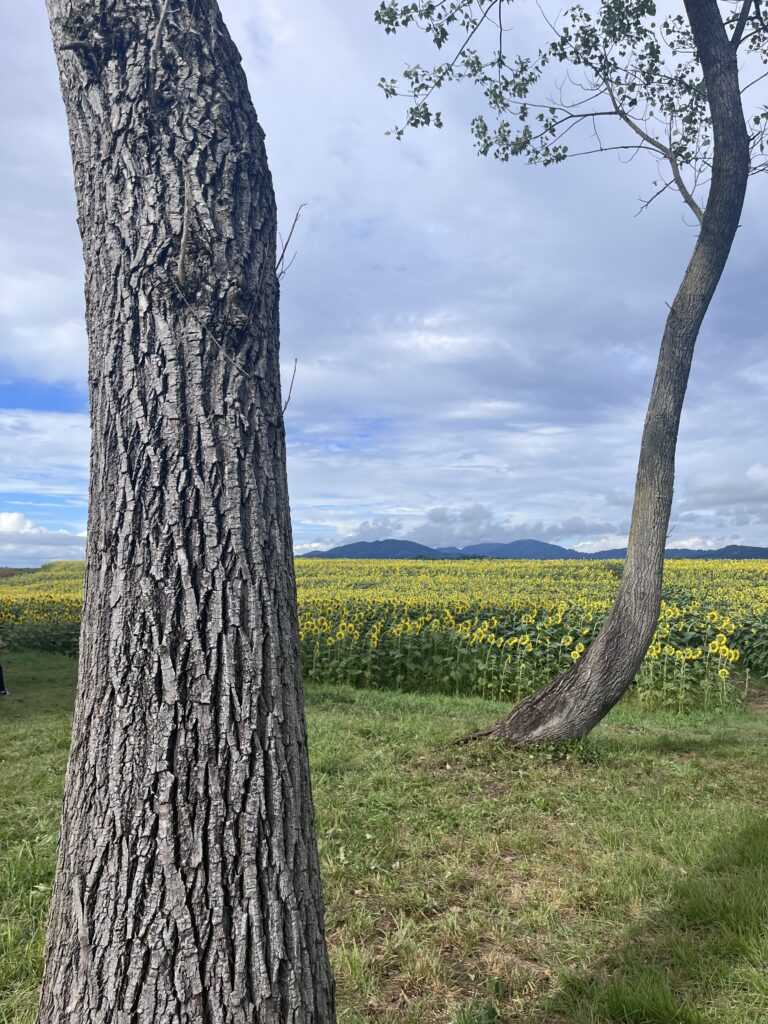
(638, 147)
(571, 120)
(666, 152)
(754, 82)
(501, 40)
(682, 188)
(287, 267)
(550, 24)
(281, 258)
(741, 24)
(290, 389)
(449, 67)
(647, 202)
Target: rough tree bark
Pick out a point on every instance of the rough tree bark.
(571, 705)
(187, 888)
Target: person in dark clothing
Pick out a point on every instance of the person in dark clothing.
(3, 691)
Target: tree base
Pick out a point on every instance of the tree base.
(567, 708)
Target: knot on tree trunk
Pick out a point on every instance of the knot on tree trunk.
(94, 40)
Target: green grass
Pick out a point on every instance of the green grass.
(624, 881)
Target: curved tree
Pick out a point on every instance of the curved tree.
(187, 887)
(672, 87)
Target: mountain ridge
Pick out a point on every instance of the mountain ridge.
(535, 550)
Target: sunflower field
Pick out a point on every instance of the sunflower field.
(40, 609)
(502, 628)
(475, 627)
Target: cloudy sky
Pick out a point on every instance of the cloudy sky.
(475, 341)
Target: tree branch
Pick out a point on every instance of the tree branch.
(290, 389)
(647, 202)
(666, 152)
(741, 24)
(280, 267)
(449, 67)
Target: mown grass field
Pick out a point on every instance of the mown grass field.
(626, 882)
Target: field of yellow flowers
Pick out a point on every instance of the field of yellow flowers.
(500, 629)
(492, 628)
(40, 609)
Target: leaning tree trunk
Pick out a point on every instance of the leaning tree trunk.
(188, 887)
(571, 705)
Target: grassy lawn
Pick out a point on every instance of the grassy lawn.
(626, 882)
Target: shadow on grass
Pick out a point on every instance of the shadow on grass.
(720, 745)
(725, 742)
(706, 951)
(317, 697)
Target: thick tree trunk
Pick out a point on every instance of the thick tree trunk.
(570, 706)
(188, 887)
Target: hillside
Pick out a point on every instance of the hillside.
(380, 549)
(536, 550)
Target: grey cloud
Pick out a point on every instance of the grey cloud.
(472, 337)
(444, 526)
(23, 550)
(23, 542)
(720, 489)
(378, 528)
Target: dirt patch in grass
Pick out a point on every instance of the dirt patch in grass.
(757, 699)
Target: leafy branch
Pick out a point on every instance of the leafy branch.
(626, 69)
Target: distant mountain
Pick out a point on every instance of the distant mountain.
(736, 551)
(379, 549)
(536, 549)
(730, 551)
(516, 549)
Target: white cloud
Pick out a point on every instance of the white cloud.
(607, 542)
(16, 523)
(44, 453)
(486, 409)
(691, 543)
(25, 543)
(432, 345)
